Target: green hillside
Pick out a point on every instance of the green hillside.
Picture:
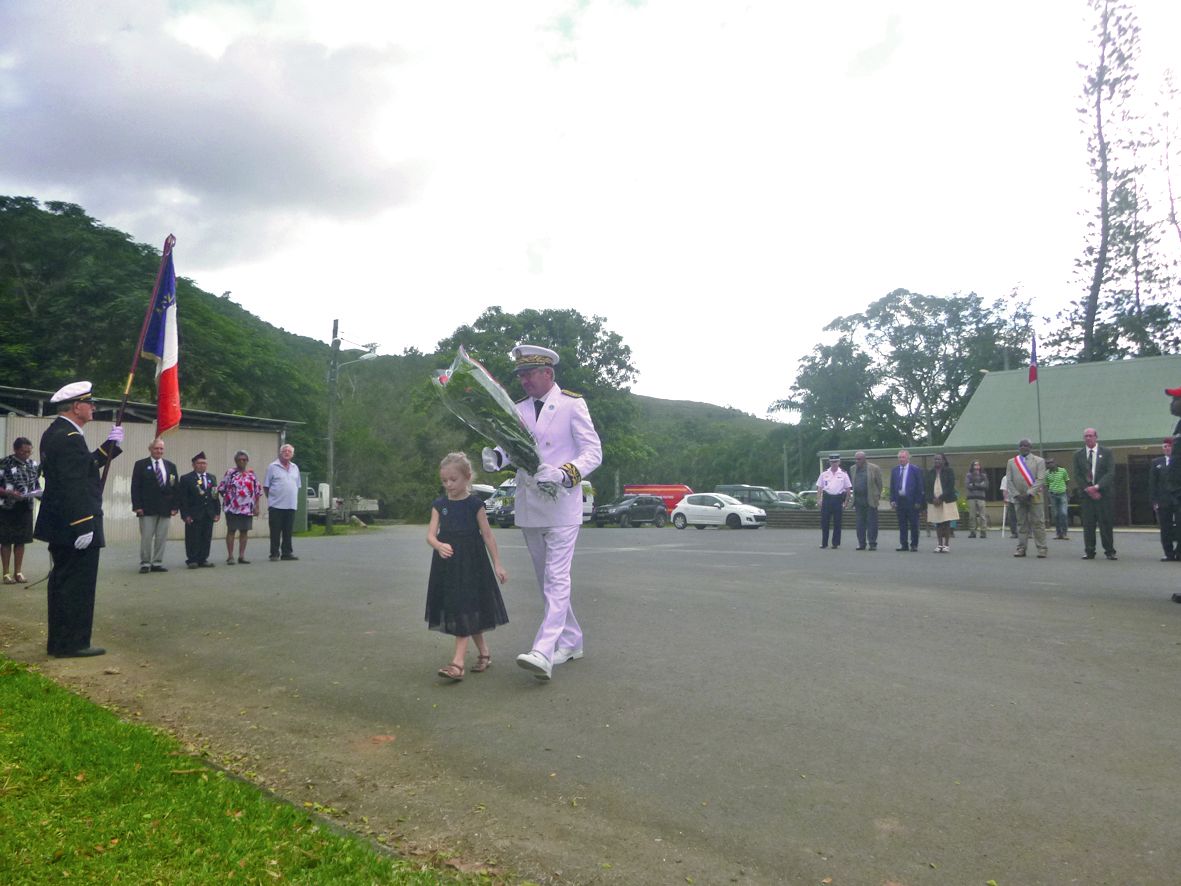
(72, 297)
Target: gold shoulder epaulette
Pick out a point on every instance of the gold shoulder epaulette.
(571, 393)
(73, 434)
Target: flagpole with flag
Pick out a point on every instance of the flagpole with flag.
(1033, 380)
(164, 299)
(160, 344)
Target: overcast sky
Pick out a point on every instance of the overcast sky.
(718, 180)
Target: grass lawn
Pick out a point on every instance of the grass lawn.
(87, 798)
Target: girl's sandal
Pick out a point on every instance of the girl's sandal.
(483, 662)
(9, 580)
(451, 672)
(20, 579)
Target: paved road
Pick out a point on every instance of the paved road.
(751, 709)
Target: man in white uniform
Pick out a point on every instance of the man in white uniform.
(570, 449)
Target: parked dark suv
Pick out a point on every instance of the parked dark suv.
(632, 510)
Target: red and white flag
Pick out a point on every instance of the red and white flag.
(1033, 362)
(160, 344)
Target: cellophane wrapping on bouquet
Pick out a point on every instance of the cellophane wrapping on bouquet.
(478, 400)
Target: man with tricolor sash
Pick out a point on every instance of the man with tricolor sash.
(1027, 482)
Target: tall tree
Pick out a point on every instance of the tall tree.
(1127, 309)
(903, 370)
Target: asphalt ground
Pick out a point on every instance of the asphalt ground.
(750, 709)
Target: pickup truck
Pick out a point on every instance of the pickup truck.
(319, 504)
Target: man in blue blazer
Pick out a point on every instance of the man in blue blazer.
(907, 498)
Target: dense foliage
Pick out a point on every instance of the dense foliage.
(72, 297)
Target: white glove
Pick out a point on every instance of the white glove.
(116, 435)
(82, 542)
(491, 459)
(549, 474)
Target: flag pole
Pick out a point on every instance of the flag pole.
(1041, 447)
(169, 242)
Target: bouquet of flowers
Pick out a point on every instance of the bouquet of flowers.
(478, 400)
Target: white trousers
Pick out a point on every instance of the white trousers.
(552, 551)
(153, 533)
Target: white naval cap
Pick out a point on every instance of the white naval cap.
(531, 356)
(78, 390)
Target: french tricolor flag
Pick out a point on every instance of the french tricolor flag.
(160, 344)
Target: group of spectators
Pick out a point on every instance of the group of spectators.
(158, 494)
(1029, 485)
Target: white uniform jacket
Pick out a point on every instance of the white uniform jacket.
(565, 434)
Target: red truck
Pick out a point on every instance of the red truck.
(671, 493)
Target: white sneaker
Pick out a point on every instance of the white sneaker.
(536, 663)
(561, 656)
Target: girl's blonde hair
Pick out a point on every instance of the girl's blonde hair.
(458, 460)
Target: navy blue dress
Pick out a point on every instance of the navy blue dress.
(463, 596)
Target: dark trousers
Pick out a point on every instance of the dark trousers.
(830, 514)
(281, 522)
(198, 538)
(908, 521)
(71, 598)
(1170, 532)
(1097, 512)
(867, 523)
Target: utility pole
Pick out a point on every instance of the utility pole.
(333, 369)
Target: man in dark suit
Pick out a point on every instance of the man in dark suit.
(71, 519)
(907, 498)
(200, 508)
(153, 498)
(1161, 495)
(1172, 476)
(1094, 470)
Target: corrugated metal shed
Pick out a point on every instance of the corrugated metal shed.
(1123, 400)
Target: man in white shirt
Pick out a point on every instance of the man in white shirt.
(282, 486)
(833, 486)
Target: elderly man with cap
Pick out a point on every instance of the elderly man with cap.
(570, 449)
(71, 519)
(200, 508)
(833, 486)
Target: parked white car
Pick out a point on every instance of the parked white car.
(716, 509)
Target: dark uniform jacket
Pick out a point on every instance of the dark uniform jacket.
(146, 492)
(73, 501)
(198, 500)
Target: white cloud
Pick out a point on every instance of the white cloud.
(718, 180)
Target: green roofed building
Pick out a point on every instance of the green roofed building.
(1123, 400)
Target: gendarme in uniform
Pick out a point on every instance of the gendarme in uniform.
(569, 445)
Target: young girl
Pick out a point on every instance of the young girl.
(462, 597)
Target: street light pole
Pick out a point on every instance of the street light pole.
(333, 370)
(334, 365)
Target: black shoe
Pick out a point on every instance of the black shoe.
(971, 535)
(81, 653)
(1111, 556)
(191, 565)
(873, 547)
(822, 547)
(861, 547)
(834, 547)
(1088, 556)
(915, 549)
(1177, 598)
(144, 570)
(1167, 559)
(289, 557)
(205, 565)
(274, 558)
(158, 569)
